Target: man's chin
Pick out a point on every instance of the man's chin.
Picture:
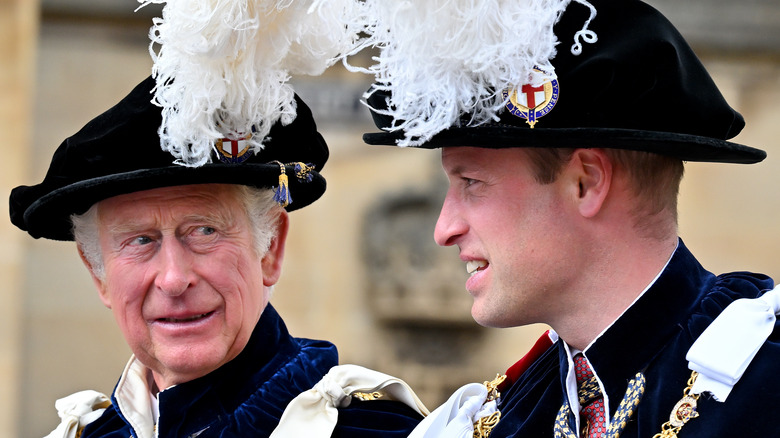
(486, 319)
(183, 366)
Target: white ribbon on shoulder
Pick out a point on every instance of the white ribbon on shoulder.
(314, 413)
(76, 411)
(725, 349)
(456, 417)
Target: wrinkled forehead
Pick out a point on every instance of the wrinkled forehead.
(172, 203)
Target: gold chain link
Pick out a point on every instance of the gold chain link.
(683, 411)
(484, 425)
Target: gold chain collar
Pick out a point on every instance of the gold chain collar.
(683, 411)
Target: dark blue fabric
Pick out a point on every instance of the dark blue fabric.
(246, 397)
(653, 336)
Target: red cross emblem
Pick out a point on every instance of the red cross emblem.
(233, 151)
(532, 102)
(530, 95)
(233, 147)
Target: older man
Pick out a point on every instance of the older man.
(185, 258)
(564, 207)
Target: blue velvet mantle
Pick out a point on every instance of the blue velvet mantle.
(246, 397)
(653, 336)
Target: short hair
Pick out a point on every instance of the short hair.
(259, 206)
(654, 178)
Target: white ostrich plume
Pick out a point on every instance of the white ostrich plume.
(222, 66)
(440, 59)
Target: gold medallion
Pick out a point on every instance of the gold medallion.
(684, 410)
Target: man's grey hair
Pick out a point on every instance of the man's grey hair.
(259, 205)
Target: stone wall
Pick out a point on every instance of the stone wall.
(18, 30)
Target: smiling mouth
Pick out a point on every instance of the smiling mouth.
(474, 266)
(188, 319)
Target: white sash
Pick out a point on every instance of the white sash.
(725, 349)
(76, 411)
(314, 413)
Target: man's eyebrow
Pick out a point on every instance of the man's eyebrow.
(458, 169)
(218, 219)
(128, 226)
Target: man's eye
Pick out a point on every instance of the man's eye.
(141, 240)
(469, 181)
(206, 230)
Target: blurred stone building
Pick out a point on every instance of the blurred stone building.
(362, 269)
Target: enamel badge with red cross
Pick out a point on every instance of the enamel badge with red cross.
(233, 151)
(531, 102)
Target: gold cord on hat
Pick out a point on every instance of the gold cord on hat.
(303, 171)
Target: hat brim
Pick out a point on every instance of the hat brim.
(683, 146)
(49, 216)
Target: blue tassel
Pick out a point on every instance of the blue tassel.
(282, 192)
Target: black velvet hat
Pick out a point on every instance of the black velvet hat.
(119, 152)
(639, 87)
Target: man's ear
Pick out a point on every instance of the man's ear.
(99, 283)
(272, 260)
(592, 171)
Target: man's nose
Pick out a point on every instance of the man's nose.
(450, 226)
(175, 274)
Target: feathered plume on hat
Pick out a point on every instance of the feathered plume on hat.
(222, 66)
(440, 59)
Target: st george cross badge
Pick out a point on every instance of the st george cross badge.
(233, 151)
(532, 102)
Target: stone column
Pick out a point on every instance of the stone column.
(18, 31)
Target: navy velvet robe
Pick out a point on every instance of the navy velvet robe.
(654, 336)
(246, 396)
